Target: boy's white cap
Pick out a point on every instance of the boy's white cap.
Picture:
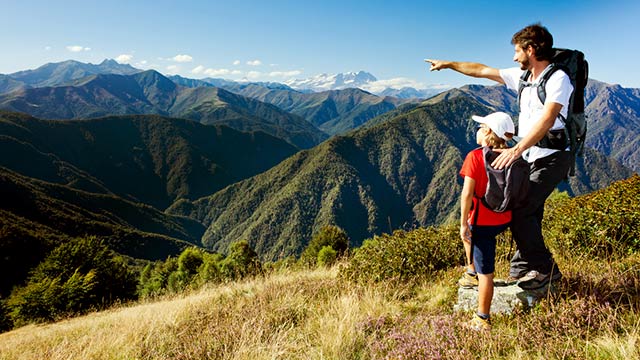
(500, 123)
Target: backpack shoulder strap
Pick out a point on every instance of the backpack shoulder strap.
(477, 200)
(523, 83)
(542, 92)
(544, 77)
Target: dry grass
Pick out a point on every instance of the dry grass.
(314, 315)
(290, 315)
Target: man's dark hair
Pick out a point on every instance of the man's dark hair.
(538, 37)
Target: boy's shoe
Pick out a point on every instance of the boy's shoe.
(535, 280)
(479, 324)
(468, 281)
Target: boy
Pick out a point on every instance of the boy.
(494, 130)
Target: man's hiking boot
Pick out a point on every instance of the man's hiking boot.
(508, 281)
(535, 280)
(468, 281)
(479, 324)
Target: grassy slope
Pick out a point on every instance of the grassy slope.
(312, 315)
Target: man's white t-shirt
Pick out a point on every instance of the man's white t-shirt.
(558, 90)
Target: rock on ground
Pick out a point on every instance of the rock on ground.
(505, 298)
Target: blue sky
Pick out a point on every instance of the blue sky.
(278, 40)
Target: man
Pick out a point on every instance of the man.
(532, 265)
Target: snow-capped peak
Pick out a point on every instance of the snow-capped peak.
(397, 87)
(323, 82)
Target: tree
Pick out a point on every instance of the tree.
(329, 235)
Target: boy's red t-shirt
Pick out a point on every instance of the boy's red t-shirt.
(473, 167)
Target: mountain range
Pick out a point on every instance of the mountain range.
(611, 109)
(334, 112)
(56, 74)
(614, 122)
(62, 73)
(149, 92)
(305, 122)
(228, 156)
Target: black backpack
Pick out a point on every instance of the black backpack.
(572, 62)
(507, 188)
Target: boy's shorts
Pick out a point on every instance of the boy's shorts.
(483, 240)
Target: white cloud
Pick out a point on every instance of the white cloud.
(237, 62)
(217, 72)
(395, 83)
(47, 48)
(201, 70)
(254, 62)
(77, 48)
(285, 73)
(124, 58)
(197, 70)
(173, 69)
(141, 64)
(254, 74)
(183, 58)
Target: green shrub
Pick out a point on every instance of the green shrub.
(602, 224)
(329, 235)
(195, 267)
(154, 277)
(327, 256)
(5, 320)
(241, 261)
(190, 260)
(209, 270)
(405, 256)
(77, 276)
(177, 281)
(289, 263)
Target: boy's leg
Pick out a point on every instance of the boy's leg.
(485, 293)
(469, 278)
(484, 255)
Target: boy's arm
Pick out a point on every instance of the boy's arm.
(466, 200)
(467, 68)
